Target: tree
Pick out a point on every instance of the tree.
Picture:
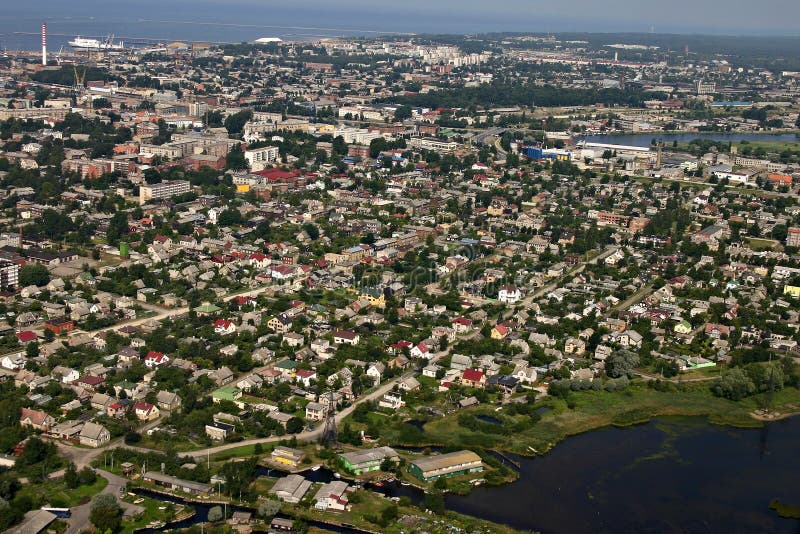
(268, 508)
(734, 385)
(402, 113)
(294, 425)
(434, 502)
(105, 512)
(101, 103)
(71, 478)
(235, 159)
(117, 227)
(32, 350)
(33, 275)
(230, 217)
(621, 363)
(215, 514)
(235, 123)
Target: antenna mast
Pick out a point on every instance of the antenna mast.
(330, 434)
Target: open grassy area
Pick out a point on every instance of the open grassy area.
(595, 409)
(759, 245)
(55, 492)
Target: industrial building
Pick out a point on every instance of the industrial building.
(287, 456)
(446, 465)
(291, 488)
(175, 483)
(358, 462)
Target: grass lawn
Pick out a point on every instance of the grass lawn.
(55, 492)
(763, 244)
(596, 409)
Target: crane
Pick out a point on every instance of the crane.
(79, 78)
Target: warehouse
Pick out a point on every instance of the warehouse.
(175, 483)
(287, 456)
(446, 465)
(291, 488)
(358, 462)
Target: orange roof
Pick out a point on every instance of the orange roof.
(781, 178)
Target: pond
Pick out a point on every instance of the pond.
(488, 419)
(674, 475)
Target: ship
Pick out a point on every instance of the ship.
(107, 44)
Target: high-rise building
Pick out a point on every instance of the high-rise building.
(166, 189)
(793, 237)
(9, 274)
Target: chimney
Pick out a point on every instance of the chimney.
(44, 43)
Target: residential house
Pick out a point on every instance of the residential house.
(421, 350)
(145, 411)
(36, 419)
(94, 435)
(509, 294)
(333, 496)
(391, 400)
(167, 400)
(280, 323)
(473, 378)
(315, 411)
(574, 346)
(155, 359)
(346, 337)
(224, 327)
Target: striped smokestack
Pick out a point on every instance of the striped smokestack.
(44, 43)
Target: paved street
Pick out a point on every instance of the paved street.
(79, 520)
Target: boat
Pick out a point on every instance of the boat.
(315, 468)
(378, 484)
(107, 44)
(404, 483)
(337, 475)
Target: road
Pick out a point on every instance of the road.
(531, 297)
(167, 313)
(310, 435)
(79, 518)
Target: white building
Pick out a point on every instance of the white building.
(260, 158)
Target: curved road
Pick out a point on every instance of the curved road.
(309, 435)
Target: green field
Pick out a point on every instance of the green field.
(596, 409)
(55, 492)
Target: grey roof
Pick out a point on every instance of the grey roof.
(369, 455)
(35, 521)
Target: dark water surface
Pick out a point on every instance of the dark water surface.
(670, 475)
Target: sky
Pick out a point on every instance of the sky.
(732, 17)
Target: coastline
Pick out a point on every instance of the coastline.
(643, 406)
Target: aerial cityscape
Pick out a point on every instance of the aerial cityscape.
(354, 275)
